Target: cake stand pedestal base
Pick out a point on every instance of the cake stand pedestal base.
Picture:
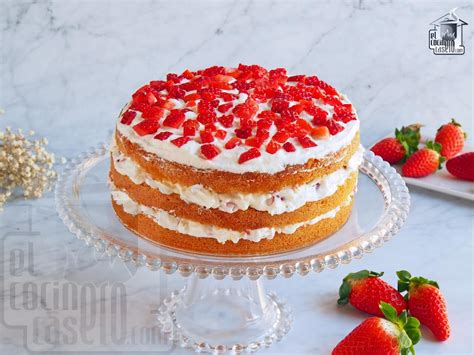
(223, 315)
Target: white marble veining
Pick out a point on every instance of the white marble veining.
(67, 68)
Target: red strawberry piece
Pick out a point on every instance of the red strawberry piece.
(334, 127)
(273, 147)
(248, 155)
(206, 137)
(390, 336)
(180, 141)
(168, 105)
(304, 125)
(254, 142)
(451, 137)
(191, 124)
(268, 115)
(139, 106)
(227, 121)
(187, 74)
(321, 132)
(462, 166)
(176, 92)
(423, 162)
(162, 136)
(243, 132)
(158, 84)
(232, 143)
(204, 106)
(225, 107)
(213, 71)
(298, 108)
(154, 112)
(365, 290)
(148, 126)
(264, 124)
(426, 302)
(400, 147)
(207, 117)
(246, 110)
(189, 131)
(306, 142)
(151, 98)
(192, 97)
(220, 134)
(281, 137)
(210, 127)
(279, 105)
(173, 77)
(289, 147)
(209, 151)
(128, 117)
(174, 119)
(297, 78)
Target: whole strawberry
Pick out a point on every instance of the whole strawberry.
(390, 336)
(426, 302)
(462, 166)
(423, 162)
(451, 137)
(398, 148)
(365, 290)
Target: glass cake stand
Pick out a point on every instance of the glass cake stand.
(224, 307)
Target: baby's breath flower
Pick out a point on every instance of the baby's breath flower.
(24, 164)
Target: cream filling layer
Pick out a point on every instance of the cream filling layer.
(286, 200)
(196, 229)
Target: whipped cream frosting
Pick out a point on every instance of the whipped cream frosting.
(286, 200)
(189, 154)
(196, 229)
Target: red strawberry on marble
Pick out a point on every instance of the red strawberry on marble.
(391, 335)
(424, 162)
(451, 137)
(426, 302)
(400, 147)
(462, 166)
(365, 290)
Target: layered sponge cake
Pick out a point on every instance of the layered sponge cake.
(235, 161)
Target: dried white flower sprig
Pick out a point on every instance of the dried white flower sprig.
(24, 165)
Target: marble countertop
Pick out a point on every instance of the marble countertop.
(68, 67)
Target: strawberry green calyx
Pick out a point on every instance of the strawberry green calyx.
(409, 327)
(406, 282)
(409, 138)
(346, 286)
(437, 148)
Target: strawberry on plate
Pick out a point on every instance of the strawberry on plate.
(365, 290)
(423, 162)
(462, 166)
(400, 147)
(390, 336)
(426, 302)
(451, 137)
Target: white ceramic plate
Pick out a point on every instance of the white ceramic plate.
(442, 181)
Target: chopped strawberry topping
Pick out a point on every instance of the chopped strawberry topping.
(206, 137)
(273, 147)
(289, 147)
(306, 142)
(232, 143)
(174, 119)
(162, 136)
(288, 107)
(249, 154)
(145, 127)
(180, 141)
(243, 133)
(227, 121)
(128, 117)
(209, 151)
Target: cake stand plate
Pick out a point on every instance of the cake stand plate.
(224, 307)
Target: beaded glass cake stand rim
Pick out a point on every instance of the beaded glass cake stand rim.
(396, 204)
